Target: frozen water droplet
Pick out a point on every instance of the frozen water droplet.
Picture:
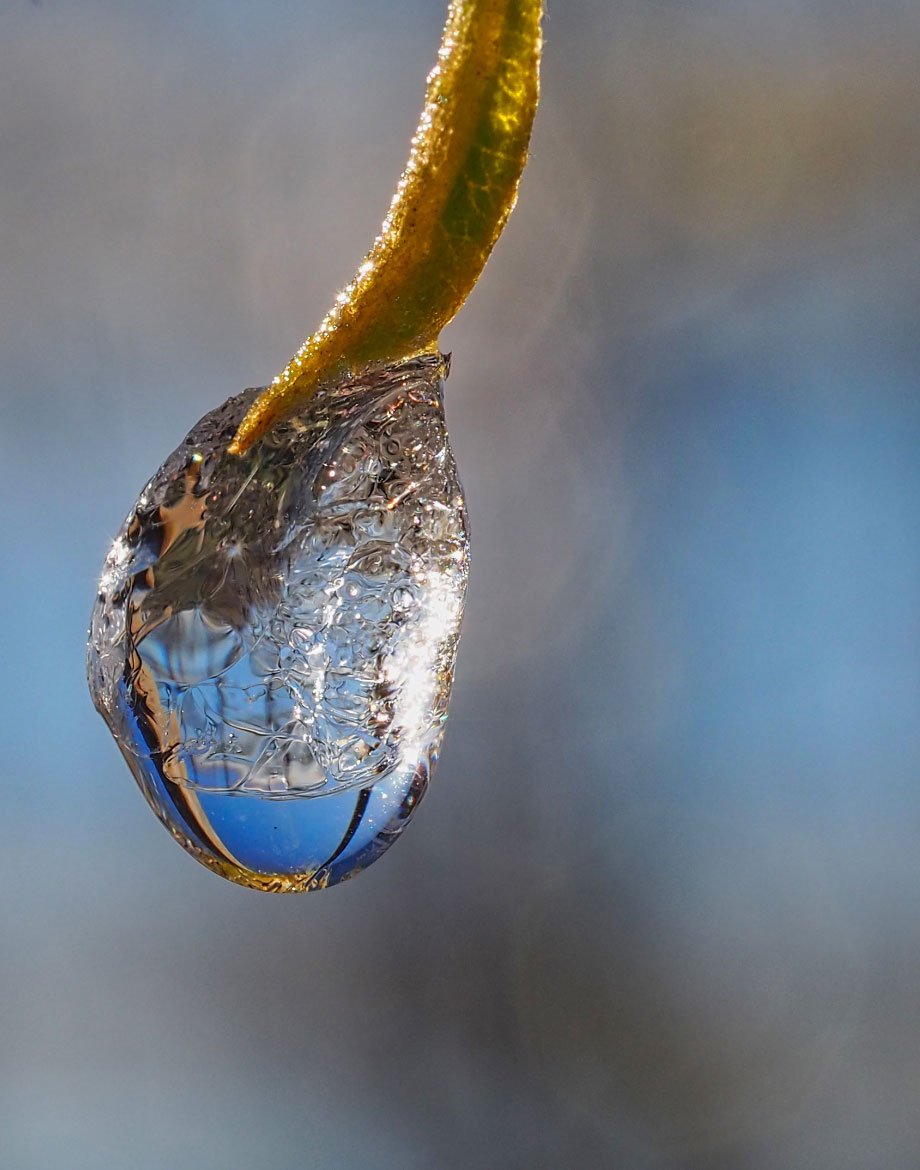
(273, 641)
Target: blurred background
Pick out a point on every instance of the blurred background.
(661, 909)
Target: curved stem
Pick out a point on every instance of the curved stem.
(453, 200)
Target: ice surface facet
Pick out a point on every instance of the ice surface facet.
(273, 641)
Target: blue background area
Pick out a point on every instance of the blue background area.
(661, 908)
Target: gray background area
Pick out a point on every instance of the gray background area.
(661, 909)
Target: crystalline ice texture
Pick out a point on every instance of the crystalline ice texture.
(274, 637)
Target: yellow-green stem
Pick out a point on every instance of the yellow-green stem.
(453, 200)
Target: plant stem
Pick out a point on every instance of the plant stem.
(453, 200)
